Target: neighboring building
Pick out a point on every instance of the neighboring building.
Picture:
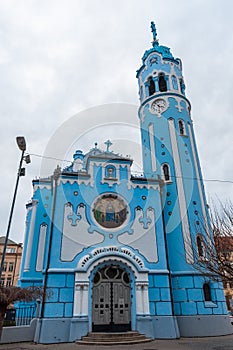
(116, 250)
(228, 291)
(12, 262)
(224, 248)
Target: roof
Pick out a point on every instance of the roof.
(9, 241)
(96, 153)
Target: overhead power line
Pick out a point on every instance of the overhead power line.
(136, 172)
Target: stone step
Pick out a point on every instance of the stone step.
(125, 342)
(113, 338)
(107, 339)
(114, 334)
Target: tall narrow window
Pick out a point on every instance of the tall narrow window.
(162, 83)
(182, 86)
(4, 266)
(207, 292)
(181, 127)
(151, 86)
(141, 92)
(11, 266)
(174, 82)
(166, 172)
(200, 246)
(8, 282)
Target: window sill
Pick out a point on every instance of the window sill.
(210, 304)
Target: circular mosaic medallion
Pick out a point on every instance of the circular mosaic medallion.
(110, 211)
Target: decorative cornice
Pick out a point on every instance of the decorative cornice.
(41, 186)
(147, 186)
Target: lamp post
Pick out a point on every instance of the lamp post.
(21, 172)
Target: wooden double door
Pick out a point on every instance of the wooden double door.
(111, 300)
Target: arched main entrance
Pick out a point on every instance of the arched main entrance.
(111, 300)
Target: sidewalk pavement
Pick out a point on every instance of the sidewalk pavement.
(208, 343)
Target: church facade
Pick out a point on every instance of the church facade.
(117, 251)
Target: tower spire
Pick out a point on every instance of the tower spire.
(154, 33)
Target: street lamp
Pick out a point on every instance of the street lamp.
(21, 172)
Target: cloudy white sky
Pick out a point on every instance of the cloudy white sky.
(58, 58)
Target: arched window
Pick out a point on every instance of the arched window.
(181, 127)
(166, 172)
(141, 92)
(207, 292)
(200, 246)
(162, 83)
(174, 82)
(151, 86)
(110, 172)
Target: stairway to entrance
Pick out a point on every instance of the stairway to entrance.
(113, 338)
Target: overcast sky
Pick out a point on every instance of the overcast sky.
(59, 58)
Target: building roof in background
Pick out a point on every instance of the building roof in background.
(9, 241)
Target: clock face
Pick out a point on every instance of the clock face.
(158, 106)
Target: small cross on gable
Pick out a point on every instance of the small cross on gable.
(108, 143)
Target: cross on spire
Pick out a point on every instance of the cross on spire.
(153, 29)
(154, 33)
(108, 143)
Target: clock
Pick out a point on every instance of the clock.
(158, 106)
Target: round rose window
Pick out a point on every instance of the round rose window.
(110, 211)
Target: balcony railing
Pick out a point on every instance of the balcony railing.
(20, 315)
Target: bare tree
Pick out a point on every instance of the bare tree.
(9, 295)
(214, 254)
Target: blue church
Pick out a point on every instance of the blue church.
(116, 250)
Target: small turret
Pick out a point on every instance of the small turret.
(78, 161)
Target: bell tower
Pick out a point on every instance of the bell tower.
(169, 153)
(169, 150)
